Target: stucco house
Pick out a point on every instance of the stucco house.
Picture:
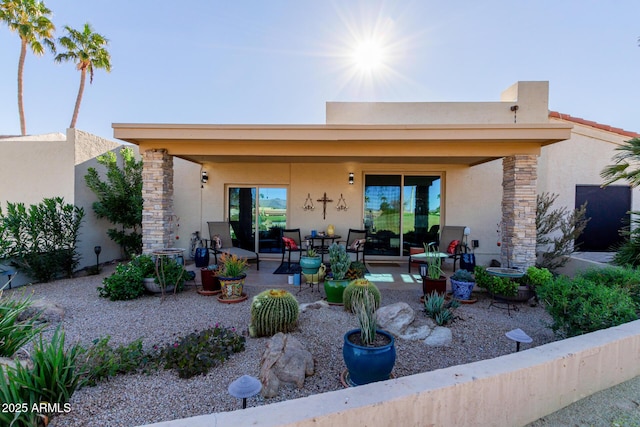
(399, 169)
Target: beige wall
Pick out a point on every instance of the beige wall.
(36, 167)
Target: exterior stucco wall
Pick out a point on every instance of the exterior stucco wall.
(33, 169)
(579, 161)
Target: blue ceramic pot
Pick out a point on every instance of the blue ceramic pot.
(368, 364)
(461, 290)
(310, 265)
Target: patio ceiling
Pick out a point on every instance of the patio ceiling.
(434, 144)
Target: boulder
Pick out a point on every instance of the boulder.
(284, 361)
(416, 333)
(50, 312)
(439, 337)
(395, 318)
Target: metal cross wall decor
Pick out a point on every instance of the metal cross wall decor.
(324, 201)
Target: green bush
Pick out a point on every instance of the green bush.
(198, 352)
(41, 241)
(14, 333)
(618, 277)
(495, 285)
(102, 361)
(53, 379)
(579, 306)
(124, 284)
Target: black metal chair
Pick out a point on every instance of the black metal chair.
(356, 240)
(291, 242)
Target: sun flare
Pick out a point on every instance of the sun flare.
(368, 55)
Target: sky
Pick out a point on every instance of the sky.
(279, 61)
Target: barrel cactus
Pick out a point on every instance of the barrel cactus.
(355, 291)
(273, 311)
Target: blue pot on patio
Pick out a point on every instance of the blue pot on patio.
(461, 290)
(310, 265)
(368, 364)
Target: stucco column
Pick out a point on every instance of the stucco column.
(519, 176)
(157, 193)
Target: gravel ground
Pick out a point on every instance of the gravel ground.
(478, 333)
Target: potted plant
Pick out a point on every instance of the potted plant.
(210, 281)
(369, 353)
(231, 273)
(335, 282)
(505, 288)
(310, 261)
(166, 276)
(434, 280)
(462, 283)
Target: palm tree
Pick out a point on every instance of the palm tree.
(628, 155)
(30, 19)
(87, 50)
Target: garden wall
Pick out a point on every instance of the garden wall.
(511, 390)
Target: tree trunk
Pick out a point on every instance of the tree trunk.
(23, 54)
(76, 110)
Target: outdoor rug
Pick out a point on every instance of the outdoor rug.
(286, 268)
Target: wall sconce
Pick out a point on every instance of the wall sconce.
(350, 178)
(466, 233)
(205, 177)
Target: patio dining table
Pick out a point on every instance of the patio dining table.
(323, 248)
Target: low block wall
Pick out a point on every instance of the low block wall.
(510, 390)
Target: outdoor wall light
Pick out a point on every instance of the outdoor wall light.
(350, 178)
(205, 177)
(466, 233)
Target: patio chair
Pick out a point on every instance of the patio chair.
(220, 242)
(292, 242)
(451, 242)
(356, 240)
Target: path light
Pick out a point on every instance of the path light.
(97, 250)
(518, 336)
(244, 387)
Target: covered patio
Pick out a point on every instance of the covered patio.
(459, 144)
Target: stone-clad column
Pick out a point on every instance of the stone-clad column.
(157, 193)
(519, 177)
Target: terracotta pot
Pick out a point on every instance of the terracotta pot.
(210, 281)
(430, 285)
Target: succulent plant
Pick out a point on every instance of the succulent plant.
(273, 311)
(355, 292)
(339, 261)
(357, 270)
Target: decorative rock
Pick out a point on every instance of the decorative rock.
(314, 305)
(284, 361)
(440, 337)
(11, 363)
(50, 312)
(415, 333)
(395, 318)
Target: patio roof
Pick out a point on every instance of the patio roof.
(462, 144)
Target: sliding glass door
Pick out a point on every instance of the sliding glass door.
(401, 211)
(256, 215)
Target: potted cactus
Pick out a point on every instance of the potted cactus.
(335, 282)
(355, 292)
(435, 279)
(369, 353)
(273, 311)
(310, 261)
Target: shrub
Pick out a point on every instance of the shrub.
(41, 241)
(123, 284)
(53, 379)
(357, 270)
(436, 307)
(579, 305)
(120, 198)
(619, 277)
(14, 333)
(198, 352)
(102, 361)
(493, 284)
